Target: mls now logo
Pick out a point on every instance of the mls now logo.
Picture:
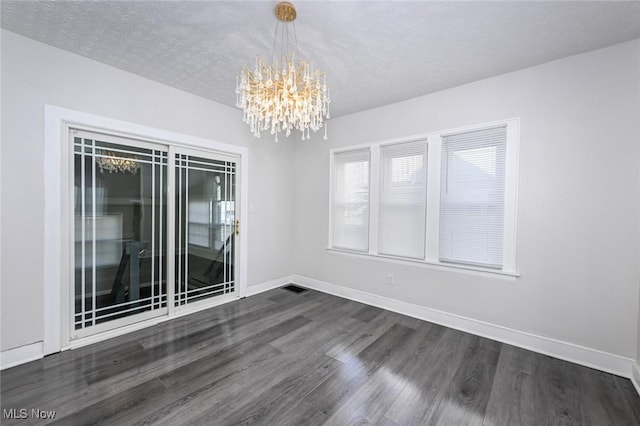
(23, 413)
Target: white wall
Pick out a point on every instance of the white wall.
(34, 74)
(578, 242)
(577, 246)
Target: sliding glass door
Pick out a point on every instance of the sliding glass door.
(120, 227)
(119, 230)
(205, 227)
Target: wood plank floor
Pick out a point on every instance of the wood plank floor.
(284, 358)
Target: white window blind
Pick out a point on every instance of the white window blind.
(403, 193)
(472, 197)
(350, 221)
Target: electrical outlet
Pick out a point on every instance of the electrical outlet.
(390, 279)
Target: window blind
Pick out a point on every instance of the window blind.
(472, 197)
(350, 212)
(403, 193)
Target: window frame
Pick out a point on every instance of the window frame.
(433, 176)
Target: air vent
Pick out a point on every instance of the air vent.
(294, 288)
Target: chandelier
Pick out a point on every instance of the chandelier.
(116, 162)
(285, 95)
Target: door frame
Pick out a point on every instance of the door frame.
(57, 214)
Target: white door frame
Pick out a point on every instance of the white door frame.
(57, 169)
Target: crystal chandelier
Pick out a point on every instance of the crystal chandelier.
(285, 95)
(116, 162)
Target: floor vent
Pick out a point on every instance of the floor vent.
(294, 288)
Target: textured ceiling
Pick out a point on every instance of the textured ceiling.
(374, 53)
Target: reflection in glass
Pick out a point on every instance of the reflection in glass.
(205, 217)
(119, 222)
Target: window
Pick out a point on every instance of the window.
(445, 198)
(472, 197)
(350, 210)
(403, 191)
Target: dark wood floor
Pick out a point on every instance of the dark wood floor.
(281, 358)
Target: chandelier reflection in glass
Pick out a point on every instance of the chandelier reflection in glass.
(116, 162)
(285, 95)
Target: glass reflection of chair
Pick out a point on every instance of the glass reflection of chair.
(131, 256)
(215, 272)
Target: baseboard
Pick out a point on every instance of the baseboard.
(635, 376)
(592, 358)
(21, 355)
(268, 285)
(31, 352)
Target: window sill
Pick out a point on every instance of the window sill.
(474, 270)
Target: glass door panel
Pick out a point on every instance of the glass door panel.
(205, 228)
(119, 231)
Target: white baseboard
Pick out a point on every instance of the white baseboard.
(31, 352)
(593, 358)
(21, 355)
(635, 376)
(577, 354)
(268, 285)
